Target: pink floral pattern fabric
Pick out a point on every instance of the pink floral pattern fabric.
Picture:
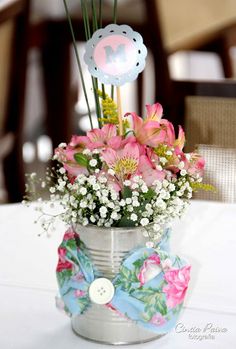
(149, 289)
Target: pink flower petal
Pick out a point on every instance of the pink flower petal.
(109, 131)
(154, 111)
(177, 284)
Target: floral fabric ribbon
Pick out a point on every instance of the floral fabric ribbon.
(149, 288)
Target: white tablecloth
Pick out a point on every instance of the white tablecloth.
(206, 236)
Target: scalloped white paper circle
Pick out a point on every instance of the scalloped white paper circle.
(115, 55)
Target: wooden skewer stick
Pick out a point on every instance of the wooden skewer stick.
(119, 105)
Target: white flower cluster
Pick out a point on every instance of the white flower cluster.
(92, 199)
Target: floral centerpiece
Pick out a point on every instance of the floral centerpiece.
(117, 188)
(110, 187)
(140, 178)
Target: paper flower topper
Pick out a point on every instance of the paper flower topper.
(115, 54)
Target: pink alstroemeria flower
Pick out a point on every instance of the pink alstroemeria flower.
(99, 138)
(147, 131)
(180, 141)
(176, 288)
(154, 111)
(158, 320)
(148, 171)
(124, 162)
(153, 130)
(150, 269)
(66, 157)
(196, 164)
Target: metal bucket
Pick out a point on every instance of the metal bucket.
(108, 247)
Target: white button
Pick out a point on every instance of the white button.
(101, 291)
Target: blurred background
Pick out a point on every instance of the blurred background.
(191, 70)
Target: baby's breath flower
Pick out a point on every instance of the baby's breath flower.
(103, 211)
(83, 191)
(114, 215)
(134, 217)
(105, 192)
(93, 162)
(85, 221)
(134, 186)
(92, 219)
(114, 196)
(96, 186)
(163, 160)
(122, 202)
(62, 145)
(144, 221)
(144, 188)
(135, 193)
(135, 203)
(136, 179)
(128, 201)
(86, 151)
(83, 204)
(156, 227)
(111, 172)
(130, 208)
(96, 151)
(171, 187)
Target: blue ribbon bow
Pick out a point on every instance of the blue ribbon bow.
(151, 300)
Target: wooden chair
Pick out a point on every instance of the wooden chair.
(13, 44)
(207, 110)
(220, 171)
(175, 27)
(157, 21)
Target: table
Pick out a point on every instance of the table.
(29, 320)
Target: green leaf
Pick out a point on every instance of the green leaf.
(71, 244)
(81, 159)
(149, 195)
(147, 316)
(127, 193)
(63, 275)
(139, 263)
(161, 306)
(125, 272)
(125, 222)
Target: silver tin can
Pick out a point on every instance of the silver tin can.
(108, 247)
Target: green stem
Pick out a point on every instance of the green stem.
(94, 14)
(100, 14)
(86, 19)
(88, 36)
(78, 62)
(115, 11)
(103, 92)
